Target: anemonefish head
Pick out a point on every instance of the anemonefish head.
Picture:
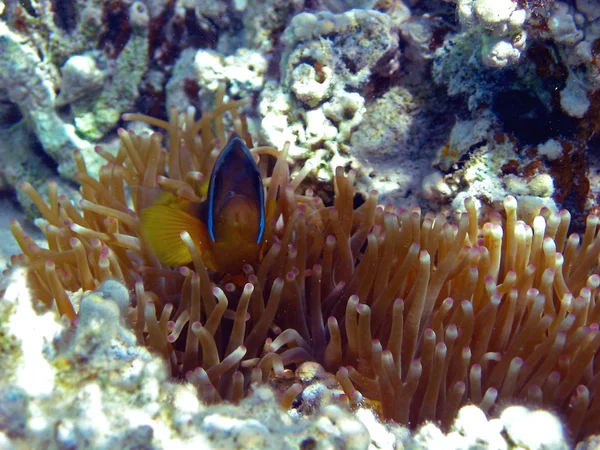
(236, 213)
(228, 231)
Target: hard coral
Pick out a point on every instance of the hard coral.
(416, 314)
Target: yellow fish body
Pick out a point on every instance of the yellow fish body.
(228, 229)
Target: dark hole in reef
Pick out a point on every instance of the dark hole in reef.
(64, 112)
(300, 118)
(349, 112)
(64, 15)
(11, 113)
(113, 40)
(205, 36)
(308, 444)
(318, 66)
(438, 35)
(548, 66)
(191, 88)
(151, 101)
(350, 64)
(466, 156)
(596, 48)
(11, 197)
(297, 402)
(307, 60)
(26, 4)
(318, 145)
(164, 31)
(44, 158)
(377, 86)
(528, 119)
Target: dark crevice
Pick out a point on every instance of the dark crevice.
(26, 4)
(116, 15)
(529, 120)
(11, 113)
(351, 65)
(65, 16)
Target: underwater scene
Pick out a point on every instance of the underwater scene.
(300, 224)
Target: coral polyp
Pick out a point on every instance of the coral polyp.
(410, 311)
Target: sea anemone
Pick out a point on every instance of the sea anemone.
(408, 310)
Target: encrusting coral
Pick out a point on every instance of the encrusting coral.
(410, 311)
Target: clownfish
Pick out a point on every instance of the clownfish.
(227, 229)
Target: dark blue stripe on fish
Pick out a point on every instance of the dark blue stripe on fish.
(236, 171)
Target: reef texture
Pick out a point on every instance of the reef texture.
(97, 388)
(485, 113)
(530, 73)
(388, 90)
(370, 294)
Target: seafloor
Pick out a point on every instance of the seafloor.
(429, 103)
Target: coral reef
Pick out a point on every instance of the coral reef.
(95, 118)
(350, 87)
(503, 38)
(540, 105)
(101, 389)
(264, 21)
(482, 112)
(30, 87)
(128, 401)
(199, 74)
(326, 60)
(369, 293)
(67, 109)
(516, 427)
(488, 165)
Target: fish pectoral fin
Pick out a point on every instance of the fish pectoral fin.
(161, 227)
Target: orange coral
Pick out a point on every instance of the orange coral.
(407, 309)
